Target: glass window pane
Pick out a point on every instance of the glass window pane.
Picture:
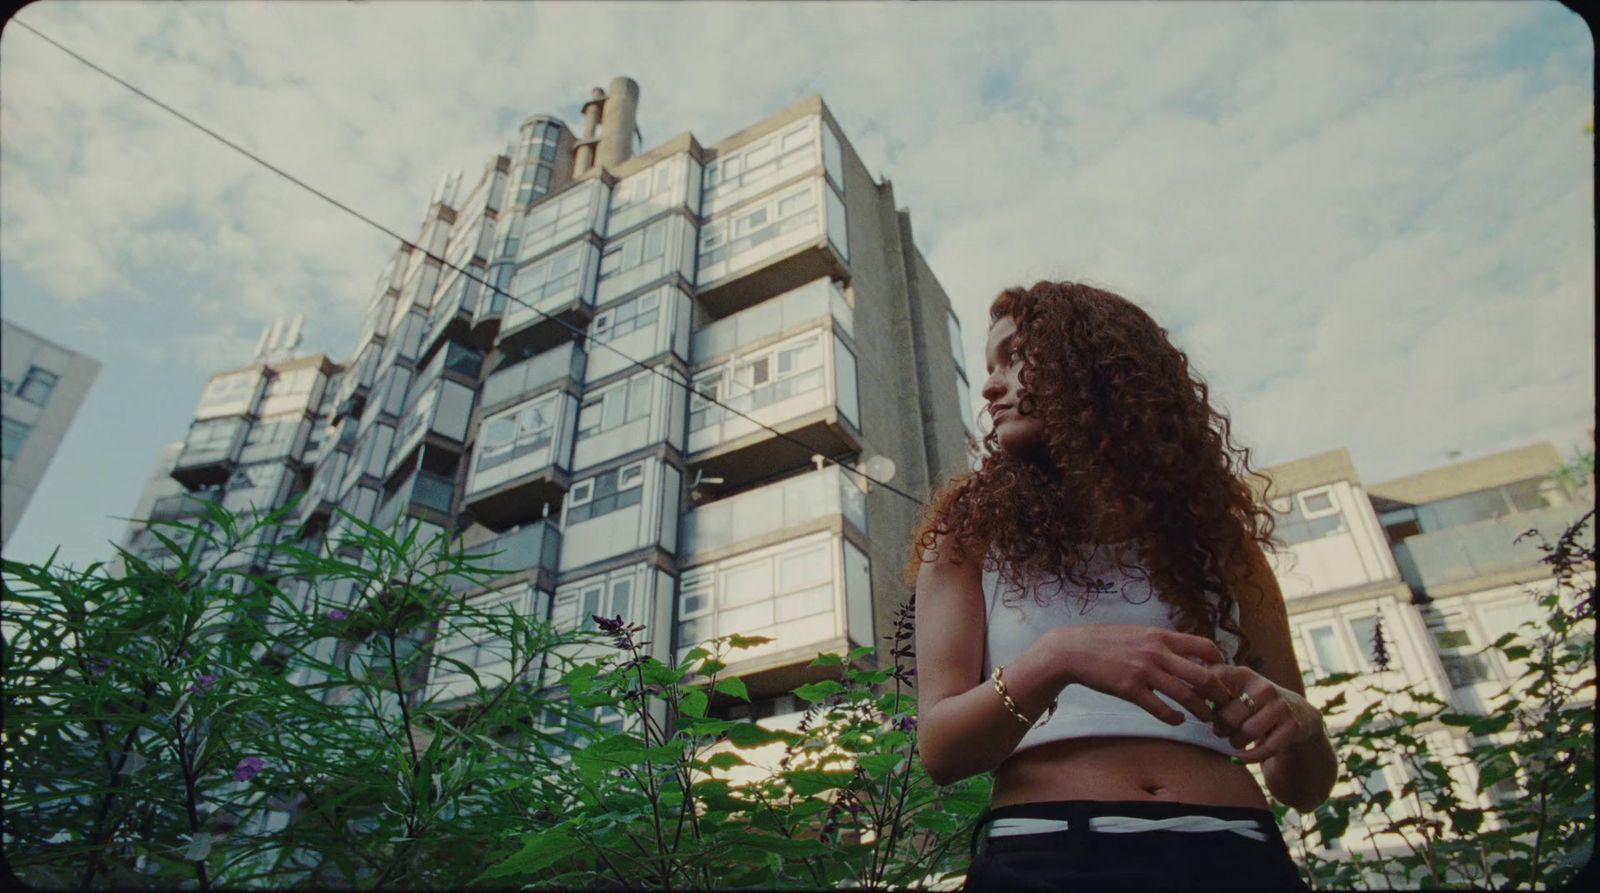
(621, 599)
(805, 568)
(639, 397)
(1325, 641)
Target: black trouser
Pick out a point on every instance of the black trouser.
(1079, 858)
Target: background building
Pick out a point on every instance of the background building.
(573, 429)
(42, 384)
(1433, 557)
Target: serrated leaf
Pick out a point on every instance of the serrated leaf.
(827, 660)
(538, 851)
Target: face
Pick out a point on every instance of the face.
(1019, 435)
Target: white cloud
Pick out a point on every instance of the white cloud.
(1367, 226)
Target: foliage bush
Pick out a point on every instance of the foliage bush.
(165, 722)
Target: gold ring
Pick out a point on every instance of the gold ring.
(1248, 701)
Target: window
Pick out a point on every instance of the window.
(1297, 524)
(640, 187)
(615, 406)
(12, 434)
(557, 220)
(212, 435)
(1330, 653)
(758, 380)
(639, 313)
(955, 340)
(1317, 503)
(575, 608)
(517, 432)
(37, 385)
(744, 594)
(549, 278)
(606, 493)
(773, 218)
(488, 655)
(634, 250)
(1364, 629)
(790, 150)
(1451, 634)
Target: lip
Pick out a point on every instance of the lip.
(995, 412)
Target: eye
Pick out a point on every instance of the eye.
(1015, 356)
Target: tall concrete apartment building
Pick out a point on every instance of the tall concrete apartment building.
(42, 384)
(1434, 557)
(572, 429)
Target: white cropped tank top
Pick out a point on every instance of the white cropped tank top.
(1015, 623)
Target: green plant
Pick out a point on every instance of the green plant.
(1538, 733)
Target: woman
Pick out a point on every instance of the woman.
(1097, 624)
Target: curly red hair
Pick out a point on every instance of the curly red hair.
(1131, 435)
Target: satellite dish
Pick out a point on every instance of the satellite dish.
(880, 469)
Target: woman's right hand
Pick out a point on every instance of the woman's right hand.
(1134, 662)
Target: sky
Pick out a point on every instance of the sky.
(1370, 225)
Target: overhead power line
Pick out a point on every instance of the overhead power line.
(687, 386)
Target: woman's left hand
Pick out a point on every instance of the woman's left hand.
(1269, 716)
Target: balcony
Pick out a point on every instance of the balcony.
(454, 318)
(423, 490)
(792, 310)
(808, 595)
(813, 500)
(558, 288)
(440, 415)
(522, 460)
(517, 380)
(211, 453)
(803, 385)
(183, 505)
(1436, 560)
(530, 548)
(763, 248)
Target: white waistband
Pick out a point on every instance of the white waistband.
(1118, 824)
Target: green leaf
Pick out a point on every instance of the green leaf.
(807, 782)
(538, 851)
(694, 703)
(827, 660)
(748, 734)
(878, 765)
(858, 653)
(817, 691)
(735, 687)
(725, 760)
(738, 641)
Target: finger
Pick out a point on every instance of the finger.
(1195, 646)
(1180, 691)
(1276, 743)
(1232, 715)
(1200, 678)
(1158, 708)
(1260, 726)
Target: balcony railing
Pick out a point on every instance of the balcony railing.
(776, 507)
(815, 299)
(533, 375)
(535, 546)
(424, 489)
(1431, 560)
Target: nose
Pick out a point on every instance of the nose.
(994, 388)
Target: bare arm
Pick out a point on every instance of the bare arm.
(1300, 766)
(964, 727)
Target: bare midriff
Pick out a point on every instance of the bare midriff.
(1124, 769)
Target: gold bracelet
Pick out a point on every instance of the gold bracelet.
(1000, 686)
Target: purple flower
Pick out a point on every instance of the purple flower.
(203, 682)
(337, 614)
(100, 666)
(247, 768)
(905, 723)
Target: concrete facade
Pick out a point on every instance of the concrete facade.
(767, 270)
(42, 385)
